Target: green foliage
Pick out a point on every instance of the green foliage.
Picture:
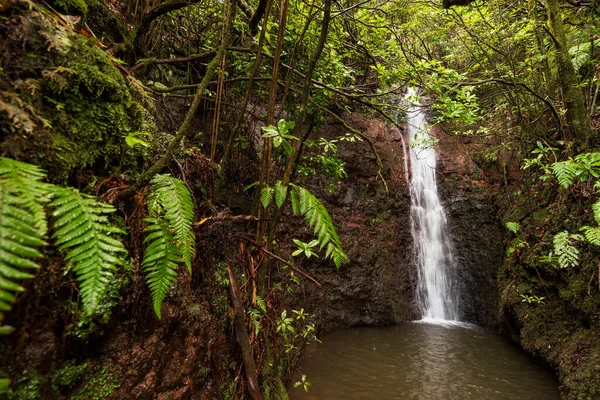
(161, 259)
(533, 299)
(66, 375)
(133, 139)
(285, 324)
(85, 234)
(99, 386)
(304, 383)
(306, 248)
(512, 226)
(567, 253)
(317, 217)
(28, 388)
(81, 229)
(281, 134)
(280, 194)
(266, 196)
(170, 237)
(583, 167)
(22, 225)
(171, 197)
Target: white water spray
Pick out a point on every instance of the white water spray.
(428, 223)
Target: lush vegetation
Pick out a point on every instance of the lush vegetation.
(118, 152)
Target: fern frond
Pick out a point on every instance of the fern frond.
(596, 211)
(280, 194)
(83, 231)
(565, 172)
(22, 225)
(172, 197)
(592, 234)
(160, 260)
(512, 226)
(34, 193)
(317, 217)
(568, 254)
(266, 196)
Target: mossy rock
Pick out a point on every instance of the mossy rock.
(79, 105)
(72, 7)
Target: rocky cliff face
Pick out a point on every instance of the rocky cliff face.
(472, 202)
(378, 286)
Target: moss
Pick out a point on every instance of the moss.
(102, 20)
(28, 388)
(79, 101)
(72, 7)
(66, 376)
(99, 386)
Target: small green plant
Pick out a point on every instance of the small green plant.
(304, 383)
(542, 154)
(306, 248)
(512, 226)
(517, 242)
(533, 299)
(285, 324)
(133, 139)
(281, 134)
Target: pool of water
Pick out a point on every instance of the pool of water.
(420, 361)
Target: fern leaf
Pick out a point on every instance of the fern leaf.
(512, 226)
(565, 172)
(596, 211)
(175, 200)
(33, 192)
(295, 201)
(160, 260)
(568, 254)
(83, 231)
(592, 234)
(22, 225)
(280, 194)
(318, 218)
(266, 196)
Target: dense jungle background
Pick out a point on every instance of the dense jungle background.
(191, 191)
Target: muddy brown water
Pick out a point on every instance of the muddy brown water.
(420, 361)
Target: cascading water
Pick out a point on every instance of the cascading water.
(428, 223)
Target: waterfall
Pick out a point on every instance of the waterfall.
(428, 219)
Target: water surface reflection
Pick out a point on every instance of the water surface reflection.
(420, 361)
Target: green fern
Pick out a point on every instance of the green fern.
(512, 226)
(266, 196)
(592, 234)
(160, 260)
(567, 253)
(583, 167)
(596, 211)
(317, 217)
(83, 231)
(22, 225)
(566, 172)
(280, 194)
(172, 197)
(170, 236)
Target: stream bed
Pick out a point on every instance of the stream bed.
(420, 361)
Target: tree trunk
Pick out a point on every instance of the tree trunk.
(578, 119)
